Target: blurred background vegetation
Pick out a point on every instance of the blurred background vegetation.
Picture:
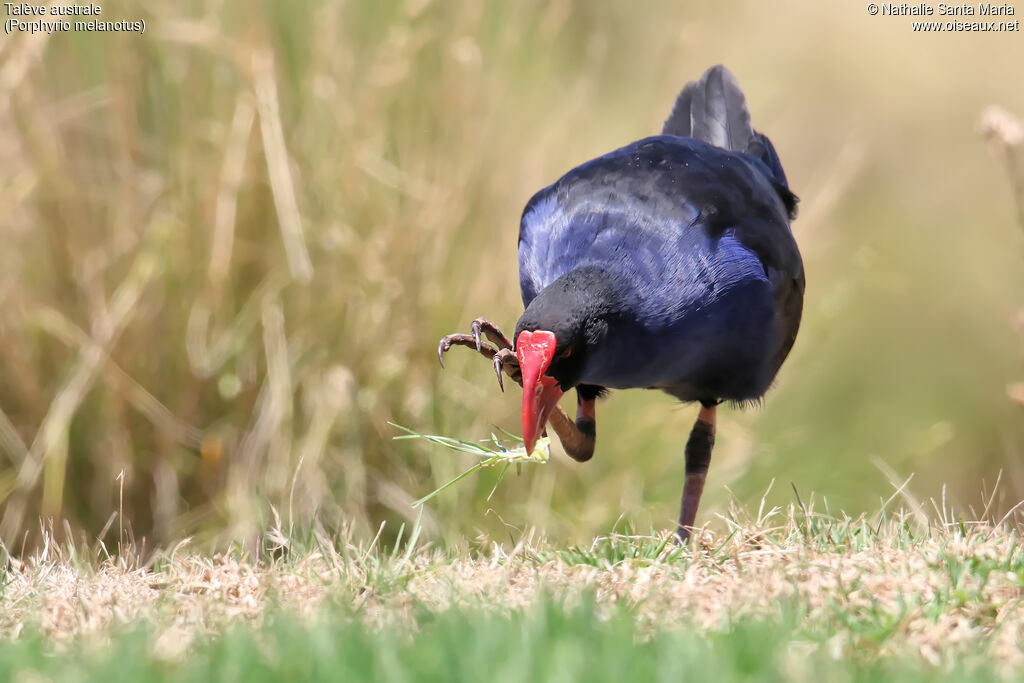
(231, 244)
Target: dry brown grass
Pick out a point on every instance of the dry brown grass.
(873, 586)
(1005, 135)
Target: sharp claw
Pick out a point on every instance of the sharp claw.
(497, 371)
(476, 334)
(440, 353)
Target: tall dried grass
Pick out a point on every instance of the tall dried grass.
(1005, 134)
(231, 244)
(229, 238)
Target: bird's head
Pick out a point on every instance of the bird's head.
(559, 329)
(547, 370)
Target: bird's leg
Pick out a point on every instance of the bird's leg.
(578, 439)
(698, 457)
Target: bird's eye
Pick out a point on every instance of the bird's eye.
(565, 354)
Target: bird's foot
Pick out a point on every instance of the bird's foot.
(503, 357)
(577, 437)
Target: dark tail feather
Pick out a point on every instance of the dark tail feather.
(678, 122)
(714, 110)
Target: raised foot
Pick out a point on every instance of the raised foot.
(577, 437)
(503, 357)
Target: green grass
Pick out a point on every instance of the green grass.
(492, 452)
(551, 641)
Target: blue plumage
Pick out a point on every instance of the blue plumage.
(696, 240)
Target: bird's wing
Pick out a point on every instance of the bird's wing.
(660, 197)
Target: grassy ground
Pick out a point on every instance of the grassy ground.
(230, 247)
(781, 595)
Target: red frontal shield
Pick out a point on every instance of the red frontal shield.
(535, 351)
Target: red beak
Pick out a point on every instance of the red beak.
(535, 351)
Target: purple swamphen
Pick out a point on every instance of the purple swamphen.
(667, 264)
